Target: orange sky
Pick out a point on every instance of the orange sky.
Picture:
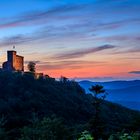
(72, 38)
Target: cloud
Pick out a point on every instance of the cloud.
(14, 40)
(83, 29)
(55, 65)
(117, 24)
(40, 17)
(134, 72)
(36, 36)
(131, 58)
(131, 50)
(120, 38)
(82, 52)
(65, 12)
(80, 21)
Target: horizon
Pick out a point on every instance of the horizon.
(93, 39)
(100, 79)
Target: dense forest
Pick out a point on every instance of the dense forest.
(47, 109)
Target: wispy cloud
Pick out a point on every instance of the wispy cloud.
(73, 21)
(127, 50)
(120, 38)
(76, 64)
(40, 17)
(82, 52)
(48, 33)
(14, 40)
(131, 58)
(82, 30)
(134, 72)
(66, 12)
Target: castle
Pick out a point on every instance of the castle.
(14, 62)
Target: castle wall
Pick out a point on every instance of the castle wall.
(18, 64)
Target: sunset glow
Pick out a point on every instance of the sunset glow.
(84, 39)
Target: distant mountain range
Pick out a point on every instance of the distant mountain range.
(126, 93)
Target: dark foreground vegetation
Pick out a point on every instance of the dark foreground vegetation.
(47, 109)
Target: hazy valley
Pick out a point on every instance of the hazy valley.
(126, 93)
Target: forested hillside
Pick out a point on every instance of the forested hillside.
(29, 105)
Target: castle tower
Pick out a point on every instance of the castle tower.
(11, 57)
(14, 62)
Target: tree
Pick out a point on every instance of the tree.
(99, 95)
(64, 79)
(47, 129)
(31, 67)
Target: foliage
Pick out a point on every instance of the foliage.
(47, 129)
(86, 136)
(125, 136)
(31, 67)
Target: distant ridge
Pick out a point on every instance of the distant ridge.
(126, 93)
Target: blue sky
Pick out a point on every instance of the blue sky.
(84, 38)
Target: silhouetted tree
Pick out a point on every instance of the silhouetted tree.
(31, 67)
(64, 79)
(99, 95)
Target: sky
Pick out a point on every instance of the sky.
(79, 39)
